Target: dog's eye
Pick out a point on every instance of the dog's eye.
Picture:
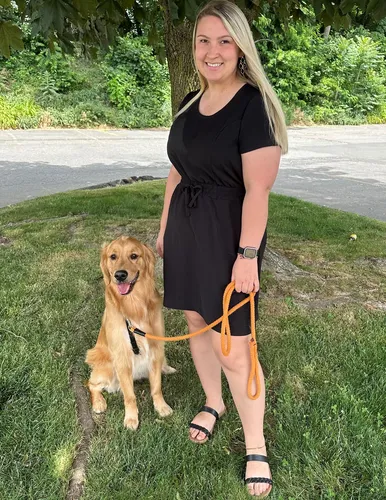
(113, 256)
(133, 256)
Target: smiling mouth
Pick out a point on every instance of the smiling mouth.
(213, 65)
(126, 287)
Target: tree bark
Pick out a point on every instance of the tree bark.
(178, 44)
(326, 32)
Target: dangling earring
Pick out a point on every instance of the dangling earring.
(242, 65)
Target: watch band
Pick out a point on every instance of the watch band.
(248, 252)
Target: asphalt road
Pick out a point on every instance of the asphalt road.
(341, 167)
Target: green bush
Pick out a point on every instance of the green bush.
(340, 80)
(353, 78)
(137, 83)
(14, 112)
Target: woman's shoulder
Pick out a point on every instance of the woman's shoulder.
(252, 92)
(187, 98)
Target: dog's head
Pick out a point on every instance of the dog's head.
(125, 261)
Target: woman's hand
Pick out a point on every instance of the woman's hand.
(160, 244)
(244, 274)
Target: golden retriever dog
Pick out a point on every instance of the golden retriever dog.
(130, 294)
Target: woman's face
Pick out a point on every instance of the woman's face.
(216, 53)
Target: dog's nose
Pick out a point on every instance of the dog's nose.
(120, 275)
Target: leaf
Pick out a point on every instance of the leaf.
(191, 9)
(329, 8)
(10, 38)
(85, 7)
(347, 6)
(380, 12)
(373, 4)
(52, 15)
(326, 19)
(127, 4)
(21, 4)
(139, 12)
(173, 7)
(346, 21)
(317, 7)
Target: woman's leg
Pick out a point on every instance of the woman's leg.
(236, 367)
(209, 371)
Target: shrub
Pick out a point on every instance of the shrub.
(138, 84)
(14, 112)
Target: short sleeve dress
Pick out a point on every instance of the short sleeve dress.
(204, 220)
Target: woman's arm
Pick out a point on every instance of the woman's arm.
(174, 178)
(260, 168)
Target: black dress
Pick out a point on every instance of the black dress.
(204, 221)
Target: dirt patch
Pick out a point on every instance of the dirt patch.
(78, 472)
(377, 263)
(5, 242)
(122, 182)
(281, 267)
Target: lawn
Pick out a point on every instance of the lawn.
(322, 345)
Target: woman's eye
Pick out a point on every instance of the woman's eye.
(203, 40)
(225, 41)
(113, 256)
(133, 256)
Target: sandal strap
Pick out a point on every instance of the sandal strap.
(256, 458)
(210, 410)
(201, 429)
(259, 480)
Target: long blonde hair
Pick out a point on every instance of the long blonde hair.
(237, 25)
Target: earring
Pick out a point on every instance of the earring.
(242, 65)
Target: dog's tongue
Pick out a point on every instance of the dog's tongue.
(123, 288)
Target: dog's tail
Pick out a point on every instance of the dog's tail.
(98, 355)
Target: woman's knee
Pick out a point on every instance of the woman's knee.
(195, 320)
(238, 359)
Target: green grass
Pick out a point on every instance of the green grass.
(325, 366)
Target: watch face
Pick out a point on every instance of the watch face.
(250, 253)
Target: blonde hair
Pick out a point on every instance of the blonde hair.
(237, 25)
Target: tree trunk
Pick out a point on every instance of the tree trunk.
(326, 32)
(178, 43)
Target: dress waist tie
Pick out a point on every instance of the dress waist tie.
(192, 193)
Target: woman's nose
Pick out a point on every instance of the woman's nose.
(212, 50)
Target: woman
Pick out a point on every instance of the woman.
(225, 146)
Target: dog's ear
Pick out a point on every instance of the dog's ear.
(149, 259)
(103, 264)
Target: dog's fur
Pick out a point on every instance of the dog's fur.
(113, 362)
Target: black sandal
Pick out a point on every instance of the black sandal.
(200, 428)
(249, 480)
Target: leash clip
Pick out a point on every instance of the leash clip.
(131, 330)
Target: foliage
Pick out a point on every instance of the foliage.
(97, 23)
(136, 80)
(340, 80)
(353, 77)
(18, 113)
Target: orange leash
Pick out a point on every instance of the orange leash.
(226, 338)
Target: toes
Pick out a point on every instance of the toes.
(131, 423)
(251, 489)
(164, 410)
(197, 435)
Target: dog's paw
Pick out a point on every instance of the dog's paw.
(131, 422)
(99, 404)
(167, 370)
(163, 410)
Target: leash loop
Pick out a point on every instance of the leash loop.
(254, 386)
